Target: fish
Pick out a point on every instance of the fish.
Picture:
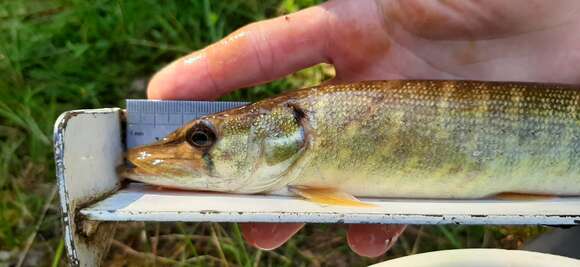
(331, 144)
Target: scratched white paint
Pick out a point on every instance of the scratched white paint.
(481, 258)
(139, 202)
(87, 150)
(92, 151)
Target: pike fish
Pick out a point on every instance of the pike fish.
(403, 139)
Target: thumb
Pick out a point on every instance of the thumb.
(256, 53)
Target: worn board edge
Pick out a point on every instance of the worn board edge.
(138, 202)
(80, 251)
(361, 218)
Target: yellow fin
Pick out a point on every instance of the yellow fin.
(329, 196)
(523, 196)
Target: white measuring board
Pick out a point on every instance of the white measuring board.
(139, 202)
(86, 173)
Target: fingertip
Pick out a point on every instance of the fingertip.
(257, 53)
(373, 240)
(268, 236)
(159, 85)
(185, 78)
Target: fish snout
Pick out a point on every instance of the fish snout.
(164, 160)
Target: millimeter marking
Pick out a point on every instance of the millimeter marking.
(151, 120)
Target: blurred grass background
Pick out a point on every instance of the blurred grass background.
(57, 55)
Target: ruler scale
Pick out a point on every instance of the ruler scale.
(150, 120)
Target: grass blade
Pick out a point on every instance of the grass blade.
(452, 239)
(58, 254)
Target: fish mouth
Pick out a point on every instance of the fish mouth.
(131, 171)
(128, 165)
(158, 170)
(163, 177)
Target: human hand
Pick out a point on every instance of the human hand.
(519, 40)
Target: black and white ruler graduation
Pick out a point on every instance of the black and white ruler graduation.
(151, 120)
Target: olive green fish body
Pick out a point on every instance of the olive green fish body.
(454, 139)
(434, 139)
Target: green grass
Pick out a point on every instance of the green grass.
(57, 55)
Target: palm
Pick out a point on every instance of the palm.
(412, 40)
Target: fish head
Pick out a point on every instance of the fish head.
(245, 150)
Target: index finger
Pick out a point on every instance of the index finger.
(256, 53)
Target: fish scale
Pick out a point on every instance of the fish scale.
(487, 136)
(418, 139)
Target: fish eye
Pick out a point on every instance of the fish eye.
(201, 136)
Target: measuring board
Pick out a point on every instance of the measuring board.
(87, 170)
(151, 120)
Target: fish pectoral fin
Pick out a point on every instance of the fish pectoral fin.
(523, 196)
(329, 196)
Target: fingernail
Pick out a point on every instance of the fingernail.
(372, 240)
(268, 236)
